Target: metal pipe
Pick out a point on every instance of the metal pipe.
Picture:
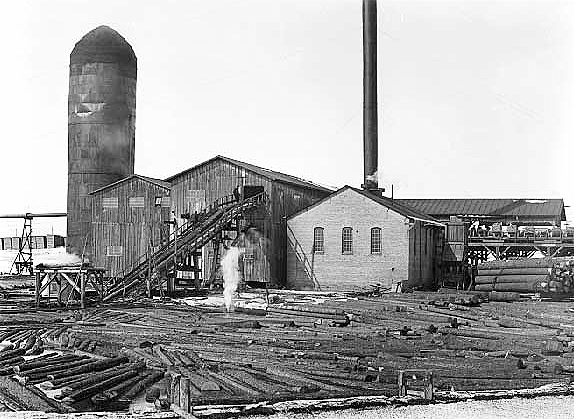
(29, 215)
(370, 122)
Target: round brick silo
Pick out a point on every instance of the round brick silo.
(101, 124)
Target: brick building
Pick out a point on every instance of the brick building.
(354, 238)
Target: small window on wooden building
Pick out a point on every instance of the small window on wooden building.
(110, 202)
(347, 240)
(165, 202)
(376, 242)
(136, 202)
(318, 240)
(114, 250)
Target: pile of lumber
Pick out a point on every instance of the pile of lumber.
(545, 275)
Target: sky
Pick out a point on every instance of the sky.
(475, 97)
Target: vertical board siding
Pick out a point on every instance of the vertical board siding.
(218, 178)
(423, 260)
(127, 226)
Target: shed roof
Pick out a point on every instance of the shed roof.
(261, 171)
(532, 208)
(382, 200)
(157, 182)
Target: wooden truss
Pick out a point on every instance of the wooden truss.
(68, 284)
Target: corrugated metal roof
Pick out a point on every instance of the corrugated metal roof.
(489, 207)
(158, 182)
(267, 173)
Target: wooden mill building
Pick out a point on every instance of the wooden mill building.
(130, 215)
(354, 238)
(200, 186)
(127, 218)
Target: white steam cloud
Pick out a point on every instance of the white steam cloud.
(373, 177)
(231, 277)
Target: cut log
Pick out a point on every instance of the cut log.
(514, 271)
(53, 360)
(504, 296)
(522, 287)
(503, 279)
(518, 263)
(63, 382)
(92, 367)
(143, 384)
(56, 366)
(11, 354)
(84, 393)
(468, 333)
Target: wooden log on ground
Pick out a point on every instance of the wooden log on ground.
(312, 385)
(55, 366)
(291, 312)
(529, 279)
(87, 392)
(101, 376)
(106, 396)
(518, 263)
(468, 333)
(466, 384)
(10, 362)
(49, 360)
(30, 342)
(12, 353)
(63, 382)
(91, 367)
(7, 334)
(143, 384)
(38, 347)
(504, 296)
(522, 287)
(514, 271)
(200, 382)
(44, 357)
(9, 347)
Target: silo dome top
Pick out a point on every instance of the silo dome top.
(103, 45)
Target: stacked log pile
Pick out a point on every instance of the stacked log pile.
(340, 347)
(28, 356)
(547, 275)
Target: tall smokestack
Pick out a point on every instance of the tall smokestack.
(370, 128)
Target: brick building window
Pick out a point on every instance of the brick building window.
(376, 242)
(347, 240)
(318, 240)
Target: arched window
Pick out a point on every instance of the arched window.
(347, 240)
(376, 242)
(318, 239)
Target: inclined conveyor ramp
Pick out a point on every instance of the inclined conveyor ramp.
(186, 239)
